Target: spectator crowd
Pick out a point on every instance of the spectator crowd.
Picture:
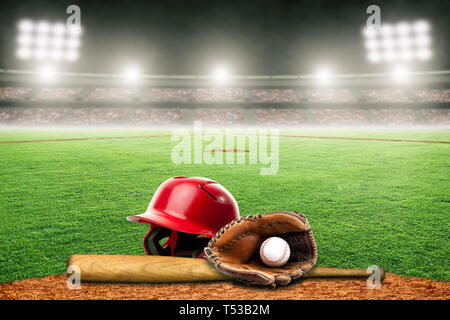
(273, 95)
(224, 116)
(56, 94)
(227, 95)
(14, 93)
(330, 95)
(220, 117)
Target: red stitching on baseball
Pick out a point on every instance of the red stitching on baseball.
(279, 259)
(262, 250)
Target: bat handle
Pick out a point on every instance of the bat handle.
(327, 272)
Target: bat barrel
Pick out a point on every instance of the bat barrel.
(123, 268)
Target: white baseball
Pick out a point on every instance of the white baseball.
(274, 252)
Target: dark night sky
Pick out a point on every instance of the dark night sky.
(252, 37)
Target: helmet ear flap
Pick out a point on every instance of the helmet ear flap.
(152, 242)
(191, 245)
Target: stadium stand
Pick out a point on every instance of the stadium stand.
(220, 116)
(7, 115)
(41, 116)
(169, 95)
(339, 117)
(96, 116)
(224, 117)
(14, 93)
(280, 117)
(142, 117)
(273, 95)
(393, 117)
(432, 95)
(329, 95)
(220, 95)
(386, 95)
(113, 94)
(437, 116)
(229, 95)
(56, 94)
(264, 107)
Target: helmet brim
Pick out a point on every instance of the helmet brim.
(160, 219)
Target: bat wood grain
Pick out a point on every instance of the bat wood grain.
(157, 269)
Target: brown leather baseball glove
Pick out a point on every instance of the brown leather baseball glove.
(235, 248)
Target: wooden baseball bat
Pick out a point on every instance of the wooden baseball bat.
(153, 269)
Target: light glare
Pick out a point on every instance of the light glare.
(56, 55)
(422, 41)
(387, 30)
(370, 32)
(403, 41)
(25, 26)
(323, 75)
(24, 53)
(221, 74)
(131, 73)
(406, 55)
(421, 27)
(73, 43)
(25, 40)
(424, 54)
(403, 29)
(40, 54)
(400, 73)
(43, 27)
(74, 30)
(47, 73)
(42, 41)
(45, 41)
(71, 55)
(59, 29)
(374, 57)
(372, 44)
(388, 43)
(390, 56)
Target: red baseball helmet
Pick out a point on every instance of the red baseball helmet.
(186, 212)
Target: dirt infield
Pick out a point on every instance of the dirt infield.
(393, 288)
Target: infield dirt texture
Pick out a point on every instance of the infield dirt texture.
(372, 197)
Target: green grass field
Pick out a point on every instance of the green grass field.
(368, 202)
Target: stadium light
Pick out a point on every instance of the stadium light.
(24, 53)
(71, 55)
(374, 57)
(45, 41)
(56, 54)
(400, 73)
(402, 42)
(25, 40)
(221, 74)
(387, 30)
(43, 27)
(422, 41)
(403, 29)
(40, 54)
(372, 44)
(26, 26)
(323, 75)
(59, 29)
(131, 73)
(424, 54)
(47, 73)
(421, 27)
(57, 42)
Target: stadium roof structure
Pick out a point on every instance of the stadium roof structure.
(372, 80)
